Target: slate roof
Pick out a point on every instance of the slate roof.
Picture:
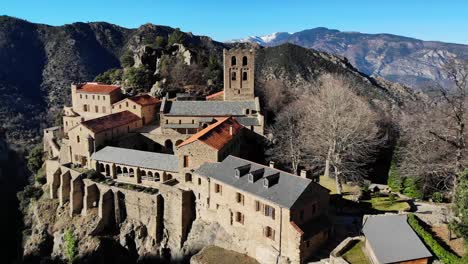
(207, 108)
(144, 159)
(216, 135)
(392, 239)
(97, 88)
(248, 121)
(107, 122)
(289, 188)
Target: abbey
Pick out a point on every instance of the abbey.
(169, 163)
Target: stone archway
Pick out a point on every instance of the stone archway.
(169, 146)
(91, 198)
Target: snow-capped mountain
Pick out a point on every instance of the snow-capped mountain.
(413, 62)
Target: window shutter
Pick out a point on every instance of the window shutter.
(272, 213)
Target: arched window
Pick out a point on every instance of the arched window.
(233, 60)
(156, 176)
(131, 172)
(188, 177)
(125, 171)
(119, 170)
(233, 76)
(150, 174)
(143, 173)
(244, 61)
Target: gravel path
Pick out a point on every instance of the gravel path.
(432, 214)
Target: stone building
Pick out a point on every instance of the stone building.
(190, 160)
(83, 139)
(276, 213)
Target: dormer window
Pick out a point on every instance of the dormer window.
(271, 180)
(241, 170)
(256, 175)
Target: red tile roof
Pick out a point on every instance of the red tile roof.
(97, 88)
(217, 134)
(144, 99)
(215, 96)
(110, 121)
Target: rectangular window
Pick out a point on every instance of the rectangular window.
(218, 188)
(134, 106)
(81, 96)
(269, 232)
(269, 211)
(98, 97)
(258, 206)
(93, 96)
(240, 217)
(104, 109)
(96, 108)
(186, 161)
(240, 198)
(199, 181)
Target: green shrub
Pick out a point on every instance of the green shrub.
(29, 193)
(460, 202)
(70, 245)
(161, 42)
(437, 197)
(111, 76)
(41, 176)
(140, 77)
(394, 180)
(127, 59)
(441, 253)
(176, 37)
(35, 158)
(392, 198)
(412, 188)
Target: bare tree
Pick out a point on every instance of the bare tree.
(433, 134)
(288, 133)
(341, 128)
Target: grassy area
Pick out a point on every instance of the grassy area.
(356, 255)
(330, 184)
(384, 204)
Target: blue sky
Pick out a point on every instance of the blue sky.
(223, 20)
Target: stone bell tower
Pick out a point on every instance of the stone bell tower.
(239, 70)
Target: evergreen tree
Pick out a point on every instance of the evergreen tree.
(460, 204)
(176, 37)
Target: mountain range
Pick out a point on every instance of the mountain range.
(412, 62)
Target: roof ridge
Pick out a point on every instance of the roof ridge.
(203, 132)
(266, 166)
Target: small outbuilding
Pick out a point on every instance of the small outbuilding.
(390, 239)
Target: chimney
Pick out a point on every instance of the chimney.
(230, 130)
(272, 164)
(304, 174)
